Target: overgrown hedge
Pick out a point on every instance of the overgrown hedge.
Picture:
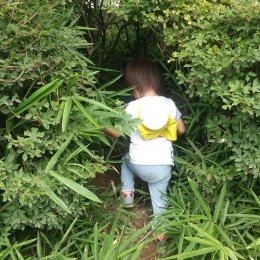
(51, 115)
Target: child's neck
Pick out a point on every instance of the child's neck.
(149, 93)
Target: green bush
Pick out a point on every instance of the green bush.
(51, 134)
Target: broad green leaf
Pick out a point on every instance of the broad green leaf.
(254, 244)
(96, 103)
(231, 253)
(66, 114)
(205, 234)
(110, 83)
(39, 246)
(85, 112)
(187, 255)
(201, 241)
(255, 197)
(53, 196)
(36, 96)
(219, 204)
(202, 204)
(56, 156)
(198, 152)
(225, 236)
(75, 187)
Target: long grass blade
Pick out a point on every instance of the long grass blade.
(201, 241)
(75, 187)
(73, 155)
(36, 96)
(255, 244)
(181, 238)
(202, 204)
(39, 246)
(225, 236)
(197, 151)
(56, 248)
(219, 204)
(66, 114)
(98, 104)
(205, 234)
(111, 82)
(19, 255)
(85, 112)
(96, 242)
(255, 197)
(224, 213)
(187, 255)
(56, 156)
(6, 252)
(231, 253)
(53, 196)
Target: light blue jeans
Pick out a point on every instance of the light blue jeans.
(157, 177)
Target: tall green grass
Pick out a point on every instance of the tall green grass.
(221, 227)
(106, 236)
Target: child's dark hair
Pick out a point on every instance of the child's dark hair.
(144, 75)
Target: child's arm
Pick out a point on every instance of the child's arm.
(111, 132)
(180, 127)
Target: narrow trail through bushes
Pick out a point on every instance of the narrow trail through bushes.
(107, 182)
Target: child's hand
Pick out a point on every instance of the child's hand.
(180, 127)
(111, 132)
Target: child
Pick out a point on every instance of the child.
(150, 154)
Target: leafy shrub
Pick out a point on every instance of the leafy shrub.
(83, 239)
(51, 141)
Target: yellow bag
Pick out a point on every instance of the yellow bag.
(169, 131)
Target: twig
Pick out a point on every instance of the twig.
(14, 80)
(114, 189)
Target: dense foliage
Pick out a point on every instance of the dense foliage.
(213, 49)
(59, 63)
(39, 44)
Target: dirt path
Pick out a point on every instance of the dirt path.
(141, 218)
(140, 212)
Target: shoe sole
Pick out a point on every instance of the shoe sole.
(128, 206)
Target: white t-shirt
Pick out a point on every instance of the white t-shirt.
(157, 151)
